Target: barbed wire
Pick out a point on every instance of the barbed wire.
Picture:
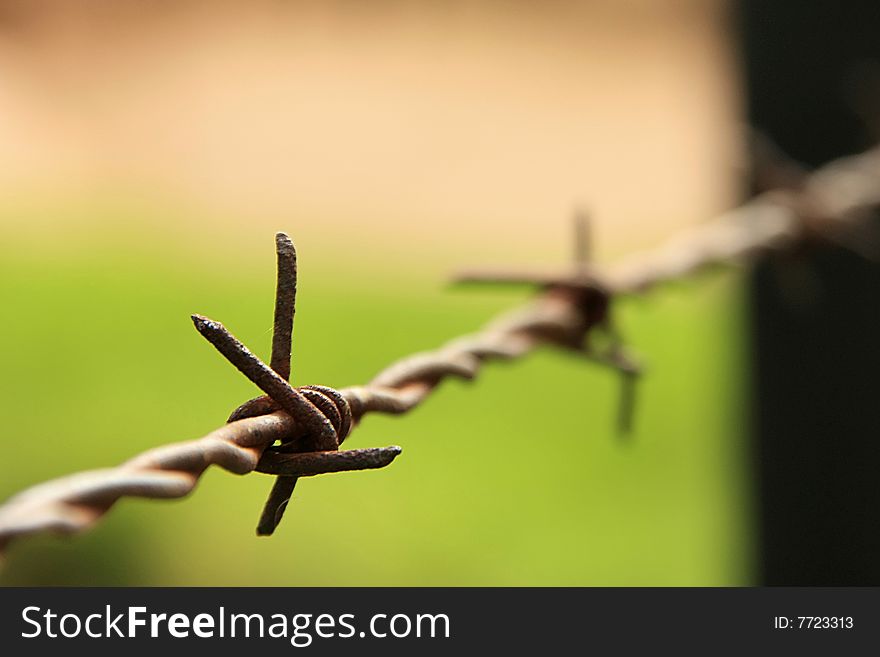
(294, 432)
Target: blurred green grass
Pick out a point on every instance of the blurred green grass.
(517, 478)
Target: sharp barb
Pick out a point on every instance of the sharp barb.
(309, 464)
(282, 341)
(626, 406)
(583, 246)
(288, 398)
(285, 306)
(629, 371)
(273, 511)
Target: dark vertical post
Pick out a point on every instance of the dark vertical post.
(815, 320)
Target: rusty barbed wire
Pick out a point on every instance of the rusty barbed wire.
(294, 432)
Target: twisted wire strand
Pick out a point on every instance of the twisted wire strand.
(830, 200)
(556, 317)
(76, 502)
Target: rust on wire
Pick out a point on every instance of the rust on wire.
(308, 464)
(282, 342)
(285, 306)
(326, 415)
(279, 390)
(587, 290)
(293, 432)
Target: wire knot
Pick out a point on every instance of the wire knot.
(325, 401)
(322, 417)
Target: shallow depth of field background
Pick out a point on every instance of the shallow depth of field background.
(148, 153)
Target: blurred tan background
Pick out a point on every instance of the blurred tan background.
(436, 119)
